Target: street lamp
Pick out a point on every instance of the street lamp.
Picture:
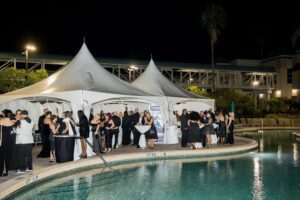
(26, 52)
(132, 69)
(190, 81)
(255, 83)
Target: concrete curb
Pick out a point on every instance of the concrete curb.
(13, 185)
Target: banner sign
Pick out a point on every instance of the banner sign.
(155, 112)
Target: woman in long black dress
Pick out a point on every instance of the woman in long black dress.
(14, 157)
(151, 135)
(6, 142)
(230, 127)
(84, 131)
(126, 126)
(47, 132)
(222, 128)
(194, 135)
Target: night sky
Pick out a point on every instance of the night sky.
(170, 30)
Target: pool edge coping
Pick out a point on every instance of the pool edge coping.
(11, 186)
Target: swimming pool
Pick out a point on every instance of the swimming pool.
(272, 172)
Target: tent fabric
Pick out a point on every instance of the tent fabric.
(153, 81)
(35, 109)
(84, 82)
(82, 73)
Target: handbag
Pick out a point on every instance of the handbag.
(152, 130)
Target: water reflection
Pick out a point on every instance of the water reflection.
(279, 154)
(261, 143)
(76, 182)
(258, 185)
(295, 154)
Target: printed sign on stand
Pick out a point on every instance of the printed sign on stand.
(155, 112)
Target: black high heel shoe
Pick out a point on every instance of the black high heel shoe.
(5, 174)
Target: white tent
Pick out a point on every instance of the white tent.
(84, 83)
(153, 81)
(81, 82)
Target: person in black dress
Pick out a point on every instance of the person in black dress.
(230, 127)
(136, 134)
(126, 126)
(184, 128)
(84, 131)
(6, 141)
(208, 130)
(151, 135)
(193, 129)
(222, 128)
(46, 133)
(45, 152)
(14, 157)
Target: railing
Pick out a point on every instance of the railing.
(263, 122)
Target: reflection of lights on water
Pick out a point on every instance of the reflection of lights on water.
(76, 182)
(89, 180)
(279, 153)
(295, 154)
(215, 165)
(261, 144)
(258, 186)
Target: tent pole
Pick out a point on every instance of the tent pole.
(82, 103)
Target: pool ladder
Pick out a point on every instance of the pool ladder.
(107, 164)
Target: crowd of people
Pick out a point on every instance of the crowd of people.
(16, 142)
(16, 138)
(103, 127)
(197, 128)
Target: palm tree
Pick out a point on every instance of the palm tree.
(213, 20)
(295, 37)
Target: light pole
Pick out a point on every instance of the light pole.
(26, 52)
(255, 83)
(131, 69)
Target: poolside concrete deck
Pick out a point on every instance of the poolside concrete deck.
(43, 169)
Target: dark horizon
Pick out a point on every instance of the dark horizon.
(134, 30)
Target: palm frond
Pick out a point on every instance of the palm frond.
(295, 37)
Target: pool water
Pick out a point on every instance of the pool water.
(271, 172)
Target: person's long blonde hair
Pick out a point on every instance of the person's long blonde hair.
(231, 114)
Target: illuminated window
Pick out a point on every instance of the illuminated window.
(278, 93)
(295, 92)
(261, 96)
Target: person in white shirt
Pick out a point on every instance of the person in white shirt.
(24, 141)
